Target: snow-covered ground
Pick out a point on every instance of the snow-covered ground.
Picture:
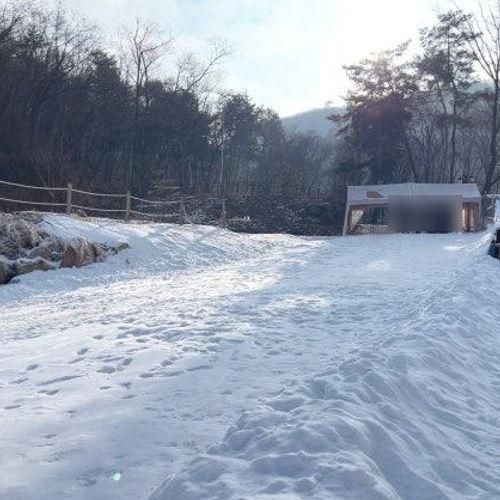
(206, 364)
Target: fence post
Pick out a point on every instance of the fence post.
(182, 211)
(223, 215)
(69, 196)
(128, 205)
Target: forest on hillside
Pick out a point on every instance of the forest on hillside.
(145, 115)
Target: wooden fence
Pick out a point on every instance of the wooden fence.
(70, 200)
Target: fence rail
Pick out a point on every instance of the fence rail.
(37, 203)
(131, 206)
(42, 188)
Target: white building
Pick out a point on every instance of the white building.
(410, 208)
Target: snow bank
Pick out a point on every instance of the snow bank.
(154, 249)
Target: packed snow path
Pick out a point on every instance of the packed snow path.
(232, 366)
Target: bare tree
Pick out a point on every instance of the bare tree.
(484, 42)
(447, 67)
(10, 17)
(143, 49)
(202, 77)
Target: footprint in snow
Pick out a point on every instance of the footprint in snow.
(12, 407)
(199, 367)
(273, 352)
(110, 359)
(87, 482)
(49, 393)
(88, 478)
(107, 369)
(59, 379)
(20, 380)
(83, 351)
(173, 373)
(76, 360)
(121, 366)
(98, 337)
(32, 367)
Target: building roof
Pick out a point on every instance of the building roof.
(380, 194)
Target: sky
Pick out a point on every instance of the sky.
(287, 54)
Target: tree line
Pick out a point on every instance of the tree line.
(141, 117)
(430, 116)
(144, 116)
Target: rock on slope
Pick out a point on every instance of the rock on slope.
(26, 247)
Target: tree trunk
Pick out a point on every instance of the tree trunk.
(453, 159)
(488, 184)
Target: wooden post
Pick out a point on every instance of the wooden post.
(128, 205)
(223, 215)
(69, 196)
(182, 211)
(347, 220)
(476, 215)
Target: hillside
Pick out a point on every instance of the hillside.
(313, 121)
(239, 366)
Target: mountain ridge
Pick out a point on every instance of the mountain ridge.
(314, 120)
